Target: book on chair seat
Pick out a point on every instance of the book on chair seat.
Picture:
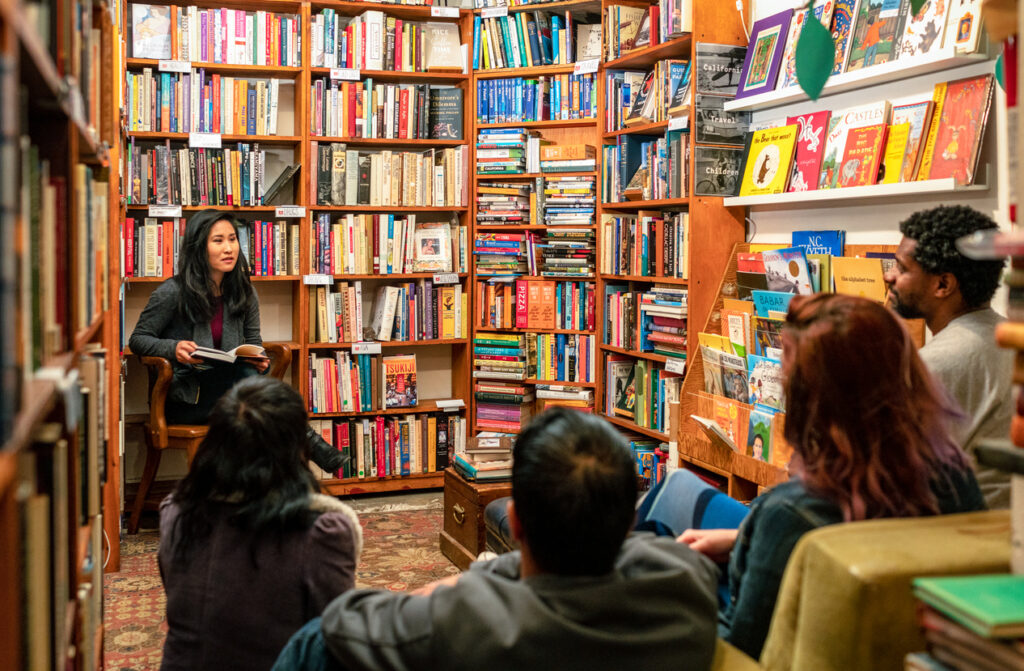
(245, 352)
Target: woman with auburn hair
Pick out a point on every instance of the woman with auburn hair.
(870, 432)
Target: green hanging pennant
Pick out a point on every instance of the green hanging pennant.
(915, 6)
(1001, 72)
(815, 57)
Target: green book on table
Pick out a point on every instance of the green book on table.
(990, 605)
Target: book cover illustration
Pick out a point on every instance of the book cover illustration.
(642, 108)
(769, 162)
(924, 31)
(771, 301)
(446, 113)
(919, 116)
(820, 266)
(717, 171)
(714, 125)
(443, 47)
(747, 282)
(963, 27)
(895, 153)
(876, 32)
(151, 31)
(821, 11)
(768, 337)
(961, 128)
(842, 22)
(810, 147)
(432, 249)
(679, 84)
(727, 417)
(734, 376)
(750, 262)
(856, 276)
(819, 242)
(399, 381)
(718, 68)
(786, 270)
(712, 370)
(625, 395)
(765, 381)
(839, 126)
(759, 434)
(764, 55)
(862, 156)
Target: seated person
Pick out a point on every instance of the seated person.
(249, 551)
(870, 432)
(932, 280)
(578, 595)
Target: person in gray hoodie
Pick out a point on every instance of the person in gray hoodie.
(578, 594)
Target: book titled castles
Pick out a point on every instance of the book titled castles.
(399, 381)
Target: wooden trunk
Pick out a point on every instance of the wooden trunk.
(462, 536)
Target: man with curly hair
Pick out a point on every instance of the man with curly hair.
(934, 281)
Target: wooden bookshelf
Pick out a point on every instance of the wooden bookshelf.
(252, 71)
(402, 76)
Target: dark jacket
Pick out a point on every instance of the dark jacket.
(224, 612)
(161, 327)
(777, 520)
(656, 610)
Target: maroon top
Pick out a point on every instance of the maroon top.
(217, 321)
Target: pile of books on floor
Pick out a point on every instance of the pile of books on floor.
(507, 151)
(970, 622)
(508, 204)
(488, 456)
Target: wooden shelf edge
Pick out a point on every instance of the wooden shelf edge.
(263, 139)
(633, 426)
(255, 71)
(650, 356)
(609, 277)
(646, 204)
(388, 141)
(374, 485)
(390, 343)
(656, 128)
(400, 75)
(84, 336)
(851, 193)
(642, 58)
(558, 123)
(425, 407)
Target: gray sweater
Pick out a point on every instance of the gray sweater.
(656, 610)
(161, 327)
(978, 374)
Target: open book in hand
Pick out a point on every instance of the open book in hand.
(714, 432)
(246, 352)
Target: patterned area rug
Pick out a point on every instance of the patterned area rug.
(400, 552)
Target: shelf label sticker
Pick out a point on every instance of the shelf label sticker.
(175, 66)
(674, 365)
(346, 74)
(204, 140)
(586, 67)
(290, 211)
(446, 278)
(493, 12)
(679, 122)
(451, 404)
(505, 279)
(165, 210)
(366, 348)
(444, 12)
(318, 278)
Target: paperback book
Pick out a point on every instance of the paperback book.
(399, 381)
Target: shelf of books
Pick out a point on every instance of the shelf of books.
(55, 294)
(336, 131)
(730, 411)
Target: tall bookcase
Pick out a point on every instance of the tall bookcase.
(442, 364)
(57, 295)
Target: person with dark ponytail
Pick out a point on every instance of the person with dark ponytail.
(210, 302)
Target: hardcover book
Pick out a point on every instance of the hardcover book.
(641, 110)
(770, 161)
(771, 301)
(877, 29)
(820, 12)
(768, 337)
(765, 381)
(895, 153)
(919, 116)
(718, 68)
(819, 242)
(716, 171)
(759, 434)
(714, 125)
(810, 147)
(859, 277)
(399, 374)
(963, 28)
(961, 128)
(712, 370)
(764, 55)
(786, 270)
(432, 248)
(679, 99)
(151, 31)
(924, 31)
(443, 47)
(625, 395)
(842, 23)
(991, 605)
(862, 156)
(839, 126)
(734, 376)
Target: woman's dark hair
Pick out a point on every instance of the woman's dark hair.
(870, 428)
(253, 461)
(197, 288)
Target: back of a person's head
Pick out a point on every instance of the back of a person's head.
(574, 488)
(867, 422)
(936, 232)
(254, 458)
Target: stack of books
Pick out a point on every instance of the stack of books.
(565, 252)
(501, 356)
(565, 357)
(650, 244)
(488, 456)
(663, 321)
(498, 203)
(503, 406)
(640, 391)
(570, 201)
(650, 458)
(500, 253)
(568, 396)
(568, 158)
(507, 151)
(970, 622)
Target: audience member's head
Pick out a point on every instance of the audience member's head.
(255, 459)
(867, 423)
(574, 492)
(931, 272)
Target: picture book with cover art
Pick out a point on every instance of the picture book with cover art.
(810, 147)
(842, 22)
(862, 156)
(961, 128)
(151, 31)
(768, 337)
(821, 12)
(759, 433)
(919, 116)
(399, 374)
(786, 270)
(764, 380)
(727, 417)
(432, 251)
(769, 161)
(895, 152)
(625, 398)
(963, 27)
(764, 55)
(859, 277)
(771, 301)
(924, 31)
(819, 242)
(839, 126)
(734, 376)
(712, 370)
(877, 29)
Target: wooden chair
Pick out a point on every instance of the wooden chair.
(161, 436)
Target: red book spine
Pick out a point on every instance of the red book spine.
(168, 239)
(380, 447)
(128, 262)
(403, 114)
(375, 243)
(271, 238)
(341, 439)
(350, 122)
(348, 48)
(216, 103)
(522, 304)
(398, 46)
(257, 260)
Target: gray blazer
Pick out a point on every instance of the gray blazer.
(161, 327)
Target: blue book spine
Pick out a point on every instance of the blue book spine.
(477, 21)
(556, 39)
(528, 101)
(391, 239)
(250, 122)
(531, 33)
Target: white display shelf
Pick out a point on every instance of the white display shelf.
(848, 81)
(813, 198)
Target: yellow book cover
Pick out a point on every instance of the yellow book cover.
(464, 326)
(822, 276)
(939, 97)
(895, 152)
(735, 304)
(715, 341)
(856, 276)
(769, 161)
(447, 312)
(758, 247)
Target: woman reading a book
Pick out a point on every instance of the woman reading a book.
(870, 432)
(210, 303)
(249, 551)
